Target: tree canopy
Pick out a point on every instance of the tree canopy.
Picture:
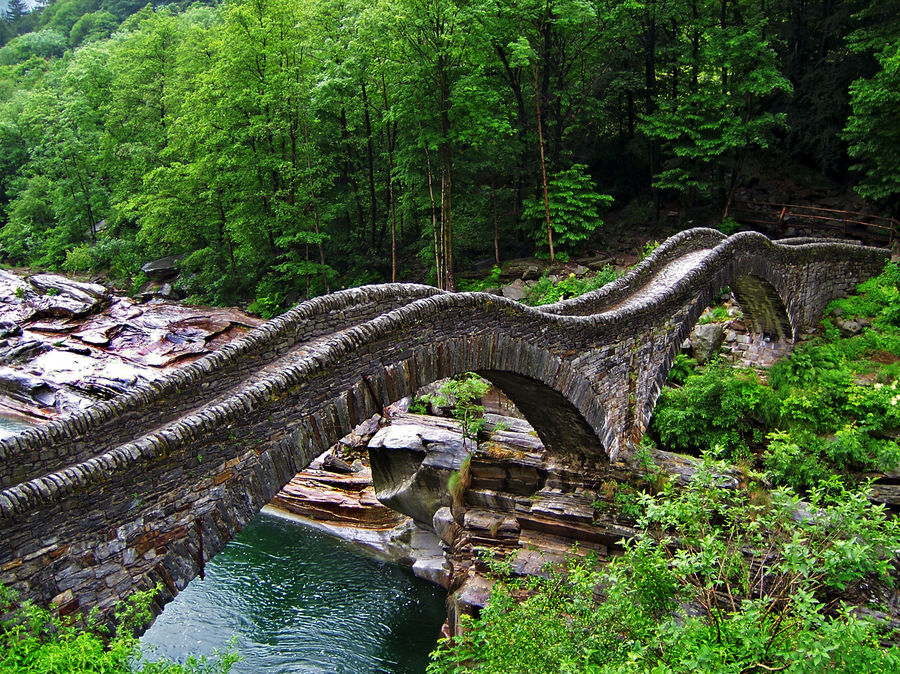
(288, 147)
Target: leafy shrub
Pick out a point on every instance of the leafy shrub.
(79, 258)
(480, 285)
(716, 582)
(464, 392)
(545, 291)
(719, 314)
(794, 459)
(648, 248)
(683, 367)
(574, 208)
(33, 640)
(717, 406)
(729, 226)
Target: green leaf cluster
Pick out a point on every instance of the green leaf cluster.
(574, 208)
(548, 291)
(463, 393)
(34, 640)
(719, 580)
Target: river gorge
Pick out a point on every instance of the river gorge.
(298, 600)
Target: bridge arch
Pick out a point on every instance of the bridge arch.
(144, 488)
(556, 399)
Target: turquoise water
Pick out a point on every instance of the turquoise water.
(12, 425)
(301, 601)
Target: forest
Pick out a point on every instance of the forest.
(289, 147)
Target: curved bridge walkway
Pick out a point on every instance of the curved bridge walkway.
(143, 488)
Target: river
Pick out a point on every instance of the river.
(10, 425)
(300, 601)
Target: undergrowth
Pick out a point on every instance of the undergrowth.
(33, 640)
(548, 291)
(717, 580)
(830, 408)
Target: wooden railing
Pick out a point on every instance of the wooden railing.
(849, 223)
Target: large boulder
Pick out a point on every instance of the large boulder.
(515, 290)
(57, 296)
(412, 461)
(163, 269)
(18, 350)
(706, 338)
(26, 388)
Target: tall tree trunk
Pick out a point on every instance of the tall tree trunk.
(496, 224)
(370, 165)
(391, 139)
(223, 230)
(350, 180)
(446, 156)
(447, 223)
(537, 105)
(315, 206)
(438, 267)
(650, 102)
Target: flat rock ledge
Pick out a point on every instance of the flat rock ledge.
(66, 344)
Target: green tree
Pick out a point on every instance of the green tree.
(43, 44)
(15, 10)
(93, 26)
(61, 122)
(872, 133)
(573, 204)
(708, 130)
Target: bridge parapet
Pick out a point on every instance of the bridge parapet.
(110, 423)
(153, 502)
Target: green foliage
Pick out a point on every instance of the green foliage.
(683, 367)
(93, 26)
(546, 291)
(648, 248)
(719, 580)
(729, 226)
(870, 133)
(710, 129)
(717, 406)
(719, 314)
(33, 640)
(574, 208)
(270, 299)
(281, 161)
(44, 44)
(464, 392)
(480, 285)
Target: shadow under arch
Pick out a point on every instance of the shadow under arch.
(558, 423)
(764, 310)
(763, 307)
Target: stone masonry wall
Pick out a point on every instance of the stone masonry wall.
(103, 507)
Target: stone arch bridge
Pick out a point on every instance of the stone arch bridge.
(143, 488)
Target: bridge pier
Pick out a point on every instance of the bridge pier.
(143, 489)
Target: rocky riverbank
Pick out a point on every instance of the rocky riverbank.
(66, 344)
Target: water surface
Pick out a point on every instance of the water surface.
(301, 601)
(10, 425)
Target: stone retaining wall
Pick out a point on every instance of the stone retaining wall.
(146, 487)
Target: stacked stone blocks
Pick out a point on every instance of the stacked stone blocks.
(143, 489)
